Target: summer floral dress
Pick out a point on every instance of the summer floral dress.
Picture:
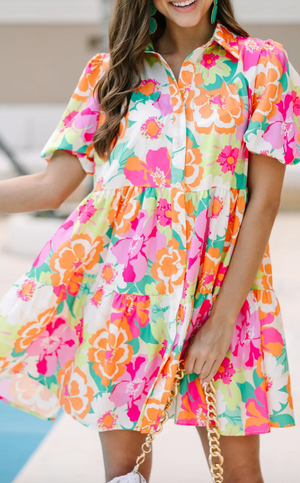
(100, 320)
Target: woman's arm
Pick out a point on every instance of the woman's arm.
(212, 341)
(45, 190)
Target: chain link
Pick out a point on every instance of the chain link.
(213, 434)
(212, 430)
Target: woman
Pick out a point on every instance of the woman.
(182, 136)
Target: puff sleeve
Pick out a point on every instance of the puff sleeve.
(274, 124)
(74, 132)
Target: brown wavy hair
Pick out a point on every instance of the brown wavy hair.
(126, 47)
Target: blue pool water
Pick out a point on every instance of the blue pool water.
(20, 435)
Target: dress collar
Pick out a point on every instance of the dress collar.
(222, 35)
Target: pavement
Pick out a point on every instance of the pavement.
(66, 452)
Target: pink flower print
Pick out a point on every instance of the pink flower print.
(86, 211)
(296, 103)
(163, 348)
(134, 386)
(131, 310)
(225, 371)
(140, 244)
(282, 131)
(164, 104)
(193, 405)
(246, 340)
(26, 291)
(159, 165)
(67, 121)
(155, 171)
(152, 128)
(209, 60)
(87, 120)
(79, 331)
(228, 159)
(55, 344)
(195, 255)
(63, 233)
(164, 212)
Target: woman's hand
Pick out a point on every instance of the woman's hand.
(208, 347)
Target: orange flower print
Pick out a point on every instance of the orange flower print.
(267, 94)
(26, 291)
(89, 78)
(110, 352)
(209, 271)
(32, 330)
(169, 268)
(193, 166)
(148, 87)
(222, 109)
(109, 273)
(288, 388)
(108, 420)
(217, 207)
(3, 364)
(73, 257)
(125, 212)
(74, 394)
(152, 128)
(97, 298)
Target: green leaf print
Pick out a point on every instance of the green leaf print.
(256, 379)
(192, 138)
(97, 380)
(283, 420)
(247, 392)
(233, 416)
(241, 181)
(282, 359)
(232, 395)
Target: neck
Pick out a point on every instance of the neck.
(181, 41)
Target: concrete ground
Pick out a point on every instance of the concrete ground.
(72, 453)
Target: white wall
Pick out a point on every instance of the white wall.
(51, 11)
(91, 11)
(268, 11)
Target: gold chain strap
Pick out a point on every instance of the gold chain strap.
(212, 431)
(213, 434)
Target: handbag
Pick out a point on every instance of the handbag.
(213, 434)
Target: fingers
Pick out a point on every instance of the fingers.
(205, 366)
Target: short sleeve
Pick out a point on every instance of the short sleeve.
(274, 124)
(75, 130)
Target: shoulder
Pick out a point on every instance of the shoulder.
(267, 53)
(96, 65)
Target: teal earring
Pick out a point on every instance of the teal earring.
(153, 23)
(214, 12)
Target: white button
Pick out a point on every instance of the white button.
(178, 142)
(179, 228)
(178, 184)
(178, 265)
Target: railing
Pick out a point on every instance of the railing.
(12, 158)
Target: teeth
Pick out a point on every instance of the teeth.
(183, 4)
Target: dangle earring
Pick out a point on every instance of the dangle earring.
(153, 23)
(214, 12)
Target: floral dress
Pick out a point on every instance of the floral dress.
(99, 322)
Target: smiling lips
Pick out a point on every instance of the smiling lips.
(183, 4)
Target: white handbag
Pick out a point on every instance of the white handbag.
(214, 444)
